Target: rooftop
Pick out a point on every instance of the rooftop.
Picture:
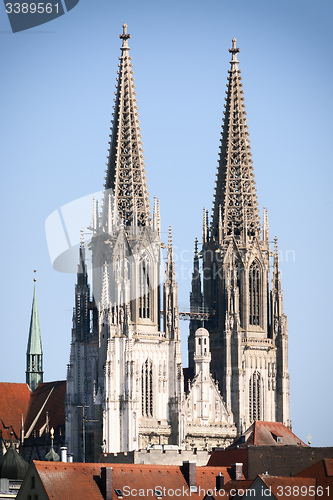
(14, 402)
(78, 480)
(48, 397)
(267, 434)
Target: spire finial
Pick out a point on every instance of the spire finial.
(124, 37)
(234, 50)
(82, 237)
(35, 271)
(276, 253)
(204, 226)
(265, 226)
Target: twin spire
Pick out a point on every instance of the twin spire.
(126, 175)
(235, 205)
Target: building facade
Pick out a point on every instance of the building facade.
(125, 382)
(244, 314)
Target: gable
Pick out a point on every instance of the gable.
(48, 397)
(215, 405)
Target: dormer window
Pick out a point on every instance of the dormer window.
(278, 439)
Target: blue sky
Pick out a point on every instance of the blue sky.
(57, 84)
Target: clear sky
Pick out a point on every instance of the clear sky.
(57, 84)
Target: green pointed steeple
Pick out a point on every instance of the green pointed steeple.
(34, 373)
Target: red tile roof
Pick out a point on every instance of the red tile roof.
(328, 463)
(321, 469)
(75, 481)
(228, 456)
(48, 397)
(14, 401)
(285, 488)
(322, 472)
(266, 434)
(70, 481)
(239, 486)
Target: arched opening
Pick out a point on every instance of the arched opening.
(144, 289)
(255, 397)
(254, 294)
(147, 389)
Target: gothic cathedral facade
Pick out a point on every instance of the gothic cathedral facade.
(245, 319)
(125, 381)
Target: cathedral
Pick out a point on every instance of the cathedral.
(126, 386)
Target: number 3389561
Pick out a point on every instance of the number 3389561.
(31, 8)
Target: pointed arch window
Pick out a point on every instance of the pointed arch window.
(239, 270)
(147, 388)
(255, 406)
(254, 293)
(144, 289)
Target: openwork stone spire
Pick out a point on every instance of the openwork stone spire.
(126, 174)
(235, 196)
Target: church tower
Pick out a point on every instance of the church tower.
(34, 372)
(247, 326)
(125, 380)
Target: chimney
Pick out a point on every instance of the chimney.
(63, 451)
(106, 482)
(189, 472)
(219, 481)
(237, 471)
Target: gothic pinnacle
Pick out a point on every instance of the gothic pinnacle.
(170, 236)
(196, 247)
(265, 226)
(275, 245)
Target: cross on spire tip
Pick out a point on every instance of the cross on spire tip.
(124, 37)
(234, 51)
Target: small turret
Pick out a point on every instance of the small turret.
(202, 354)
